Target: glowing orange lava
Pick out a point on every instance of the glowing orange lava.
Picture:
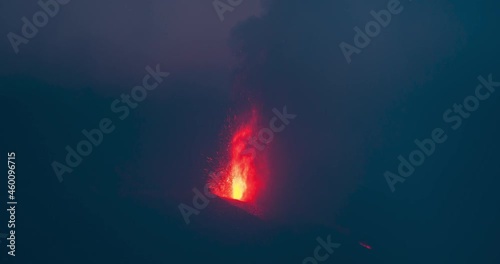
(237, 179)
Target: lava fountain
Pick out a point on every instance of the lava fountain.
(237, 177)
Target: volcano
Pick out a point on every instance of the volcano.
(240, 170)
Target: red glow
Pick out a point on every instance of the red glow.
(365, 245)
(237, 179)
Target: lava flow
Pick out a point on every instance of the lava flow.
(237, 176)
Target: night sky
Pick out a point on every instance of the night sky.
(356, 117)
